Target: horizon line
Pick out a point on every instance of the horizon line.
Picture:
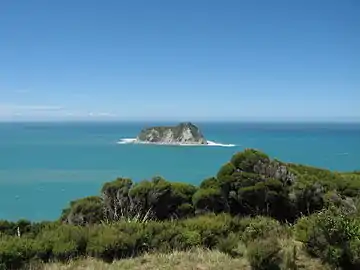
(260, 121)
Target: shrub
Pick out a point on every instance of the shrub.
(303, 227)
(84, 211)
(259, 227)
(226, 170)
(154, 195)
(108, 243)
(15, 252)
(264, 254)
(211, 182)
(231, 245)
(246, 160)
(62, 243)
(208, 200)
(163, 236)
(188, 239)
(7, 227)
(334, 237)
(65, 251)
(211, 228)
(181, 198)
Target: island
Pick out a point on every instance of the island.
(181, 134)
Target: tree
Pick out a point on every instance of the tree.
(248, 159)
(117, 201)
(209, 200)
(84, 211)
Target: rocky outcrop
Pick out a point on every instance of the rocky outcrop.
(183, 133)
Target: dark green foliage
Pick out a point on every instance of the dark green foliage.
(250, 184)
(211, 182)
(88, 210)
(208, 200)
(154, 196)
(265, 198)
(155, 199)
(309, 197)
(117, 201)
(246, 160)
(180, 203)
(226, 170)
(26, 228)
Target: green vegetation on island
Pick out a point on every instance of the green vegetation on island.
(183, 133)
(256, 213)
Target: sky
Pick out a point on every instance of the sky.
(180, 60)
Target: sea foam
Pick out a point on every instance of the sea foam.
(209, 143)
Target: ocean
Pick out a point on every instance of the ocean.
(43, 166)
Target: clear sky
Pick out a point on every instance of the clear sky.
(180, 60)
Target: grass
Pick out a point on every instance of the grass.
(197, 259)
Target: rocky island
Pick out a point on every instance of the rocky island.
(183, 133)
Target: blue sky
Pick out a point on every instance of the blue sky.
(180, 60)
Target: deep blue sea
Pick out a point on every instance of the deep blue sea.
(45, 165)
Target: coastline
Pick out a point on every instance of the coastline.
(136, 141)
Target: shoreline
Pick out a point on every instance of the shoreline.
(135, 141)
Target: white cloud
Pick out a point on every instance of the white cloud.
(101, 114)
(38, 112)
(16, 107)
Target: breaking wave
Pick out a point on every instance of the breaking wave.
(209, 143)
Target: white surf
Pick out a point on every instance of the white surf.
(209, 143)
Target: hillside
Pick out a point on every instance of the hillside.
(256, 212)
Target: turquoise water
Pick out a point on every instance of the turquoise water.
(44, 166)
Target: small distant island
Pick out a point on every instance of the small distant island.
(183, 133)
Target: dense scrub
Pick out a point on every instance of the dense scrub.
(250, 208)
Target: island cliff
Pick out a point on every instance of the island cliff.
(183, 133)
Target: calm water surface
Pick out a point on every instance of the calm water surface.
(43, 166)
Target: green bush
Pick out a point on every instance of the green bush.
(259, 227)
(188, 239)
(163, 236)
(65, 251)
(211, 182)
(208, 200)
(62, 243)
(246, 160)
(303, 227)
(16, 252)
(211, 228)
(89, 210)
(226, 170)
(334, 237)
(108, 243)
(231, 245)
(264, 254)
